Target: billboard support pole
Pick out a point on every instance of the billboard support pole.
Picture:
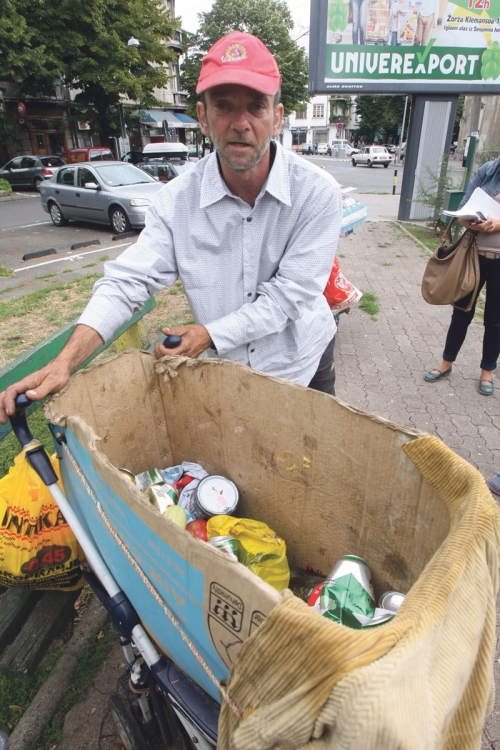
(429, 137)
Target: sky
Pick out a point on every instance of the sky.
(188, 10)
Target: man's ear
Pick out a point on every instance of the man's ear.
(278, 119)
(200, 108)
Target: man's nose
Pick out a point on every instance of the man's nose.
(240, 119)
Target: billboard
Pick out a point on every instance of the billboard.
(405, 46)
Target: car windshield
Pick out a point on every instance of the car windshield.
(183, 166)
(378, 150)
(122, 174)
(52, 161)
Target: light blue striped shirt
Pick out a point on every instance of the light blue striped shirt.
(253, 277)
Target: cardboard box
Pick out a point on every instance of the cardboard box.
(328, 478)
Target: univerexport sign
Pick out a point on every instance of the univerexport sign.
(410, 46)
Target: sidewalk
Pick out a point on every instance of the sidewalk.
(380, 368)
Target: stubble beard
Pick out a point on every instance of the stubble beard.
(239, 166)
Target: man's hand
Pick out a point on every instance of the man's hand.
(195, 339)
(50, 379)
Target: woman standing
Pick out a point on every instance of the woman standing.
(488, 242)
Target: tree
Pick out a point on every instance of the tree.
(381, 116)
(84, 45)
(271, 22)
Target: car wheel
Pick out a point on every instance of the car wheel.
(119, 220)
(57, 215)
(386, 165)
(37, 183)
(354, 162)
(369, 163)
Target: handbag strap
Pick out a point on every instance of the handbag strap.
(447, 235)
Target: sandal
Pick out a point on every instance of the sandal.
(486, 387)
(433, 375)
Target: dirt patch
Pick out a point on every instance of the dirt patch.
(26, 321)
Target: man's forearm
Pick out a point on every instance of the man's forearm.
(81, 344)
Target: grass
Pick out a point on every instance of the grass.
(32, 302)
(369, 304)
(387, 264)
(341, 255)
(103, 258)
(383, 244)
(95, 652)
(427, 236)
(8, 289)
(90, 265)
(46, 276)
(5, 271)
(10, 446)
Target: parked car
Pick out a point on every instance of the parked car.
(106, 193)
(338, 144)
(372, 155)
(323, 148)
(94, 153)
(30, 171)
(306, 148)
(194, 151)
(390, 147)
(164, 170)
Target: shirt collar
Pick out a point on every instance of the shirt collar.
(213, 187)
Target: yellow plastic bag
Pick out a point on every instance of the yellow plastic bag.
(38, 550)
(264, 551)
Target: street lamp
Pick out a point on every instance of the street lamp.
(133, 42)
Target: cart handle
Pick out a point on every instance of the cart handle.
(36, 455)
(172, 341)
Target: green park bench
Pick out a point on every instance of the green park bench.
(30, 620)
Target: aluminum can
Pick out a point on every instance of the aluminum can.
(128, 474)
(379, 620)
(356, 566)
(227, 544)
(215, 496)
(391, 600)
(162, 496)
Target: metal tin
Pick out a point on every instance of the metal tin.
(227, 544)
(391, 600)
(357, 567)
(129, 474)
(379, 620)
(215, 496)
(146, 478)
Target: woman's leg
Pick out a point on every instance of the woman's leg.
(491, 339)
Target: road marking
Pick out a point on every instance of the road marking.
(76, 256)
(36, 224)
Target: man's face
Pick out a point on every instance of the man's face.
(241, 123)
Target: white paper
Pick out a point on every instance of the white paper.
(479, 201)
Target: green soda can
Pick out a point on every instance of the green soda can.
(348, 591)
(227, 544)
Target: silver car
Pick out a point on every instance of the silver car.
(105, 192)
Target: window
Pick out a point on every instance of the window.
(14, 164)
(84, 176)
(300, 114)
(66, 176)
(27, 163)
(52, 161)
(318, 110)
(102, 155)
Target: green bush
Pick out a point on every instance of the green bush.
(4, 185)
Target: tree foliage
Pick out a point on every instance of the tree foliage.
(84, 45)
(271, 22)
(380, 115)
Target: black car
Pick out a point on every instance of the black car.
(30, 171)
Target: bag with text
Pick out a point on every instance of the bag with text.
(38, 550)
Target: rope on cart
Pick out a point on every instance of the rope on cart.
(224, 694)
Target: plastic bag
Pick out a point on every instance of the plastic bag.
(264, 553)
(340, 293)
(38, 550)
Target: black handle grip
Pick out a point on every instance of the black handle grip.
(172, 341)
(36, 456)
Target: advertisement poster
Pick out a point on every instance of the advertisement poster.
(407, 46)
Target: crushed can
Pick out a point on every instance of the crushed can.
(348, 591)
(391, 600)
(227, 544)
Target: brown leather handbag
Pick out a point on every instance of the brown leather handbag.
(451, 276)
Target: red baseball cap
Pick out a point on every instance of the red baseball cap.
(242, 59)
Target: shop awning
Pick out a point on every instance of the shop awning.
(174, 120)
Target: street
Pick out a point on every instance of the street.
(364, 179)
(26, 228)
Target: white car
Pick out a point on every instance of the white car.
(372, 155)
(323, 148)
(348, 149)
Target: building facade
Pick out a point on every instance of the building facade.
(324, 120)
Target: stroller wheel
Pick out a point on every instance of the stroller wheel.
(126, 725)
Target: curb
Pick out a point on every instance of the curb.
(46, 701)
(415, 239)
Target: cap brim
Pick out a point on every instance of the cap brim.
(263, 84)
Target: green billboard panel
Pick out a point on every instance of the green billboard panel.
(405, 46)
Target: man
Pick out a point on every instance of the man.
(427, 18)
(251, 230)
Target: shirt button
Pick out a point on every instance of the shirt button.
(252, 351)
(249, 218)
(249, 294)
